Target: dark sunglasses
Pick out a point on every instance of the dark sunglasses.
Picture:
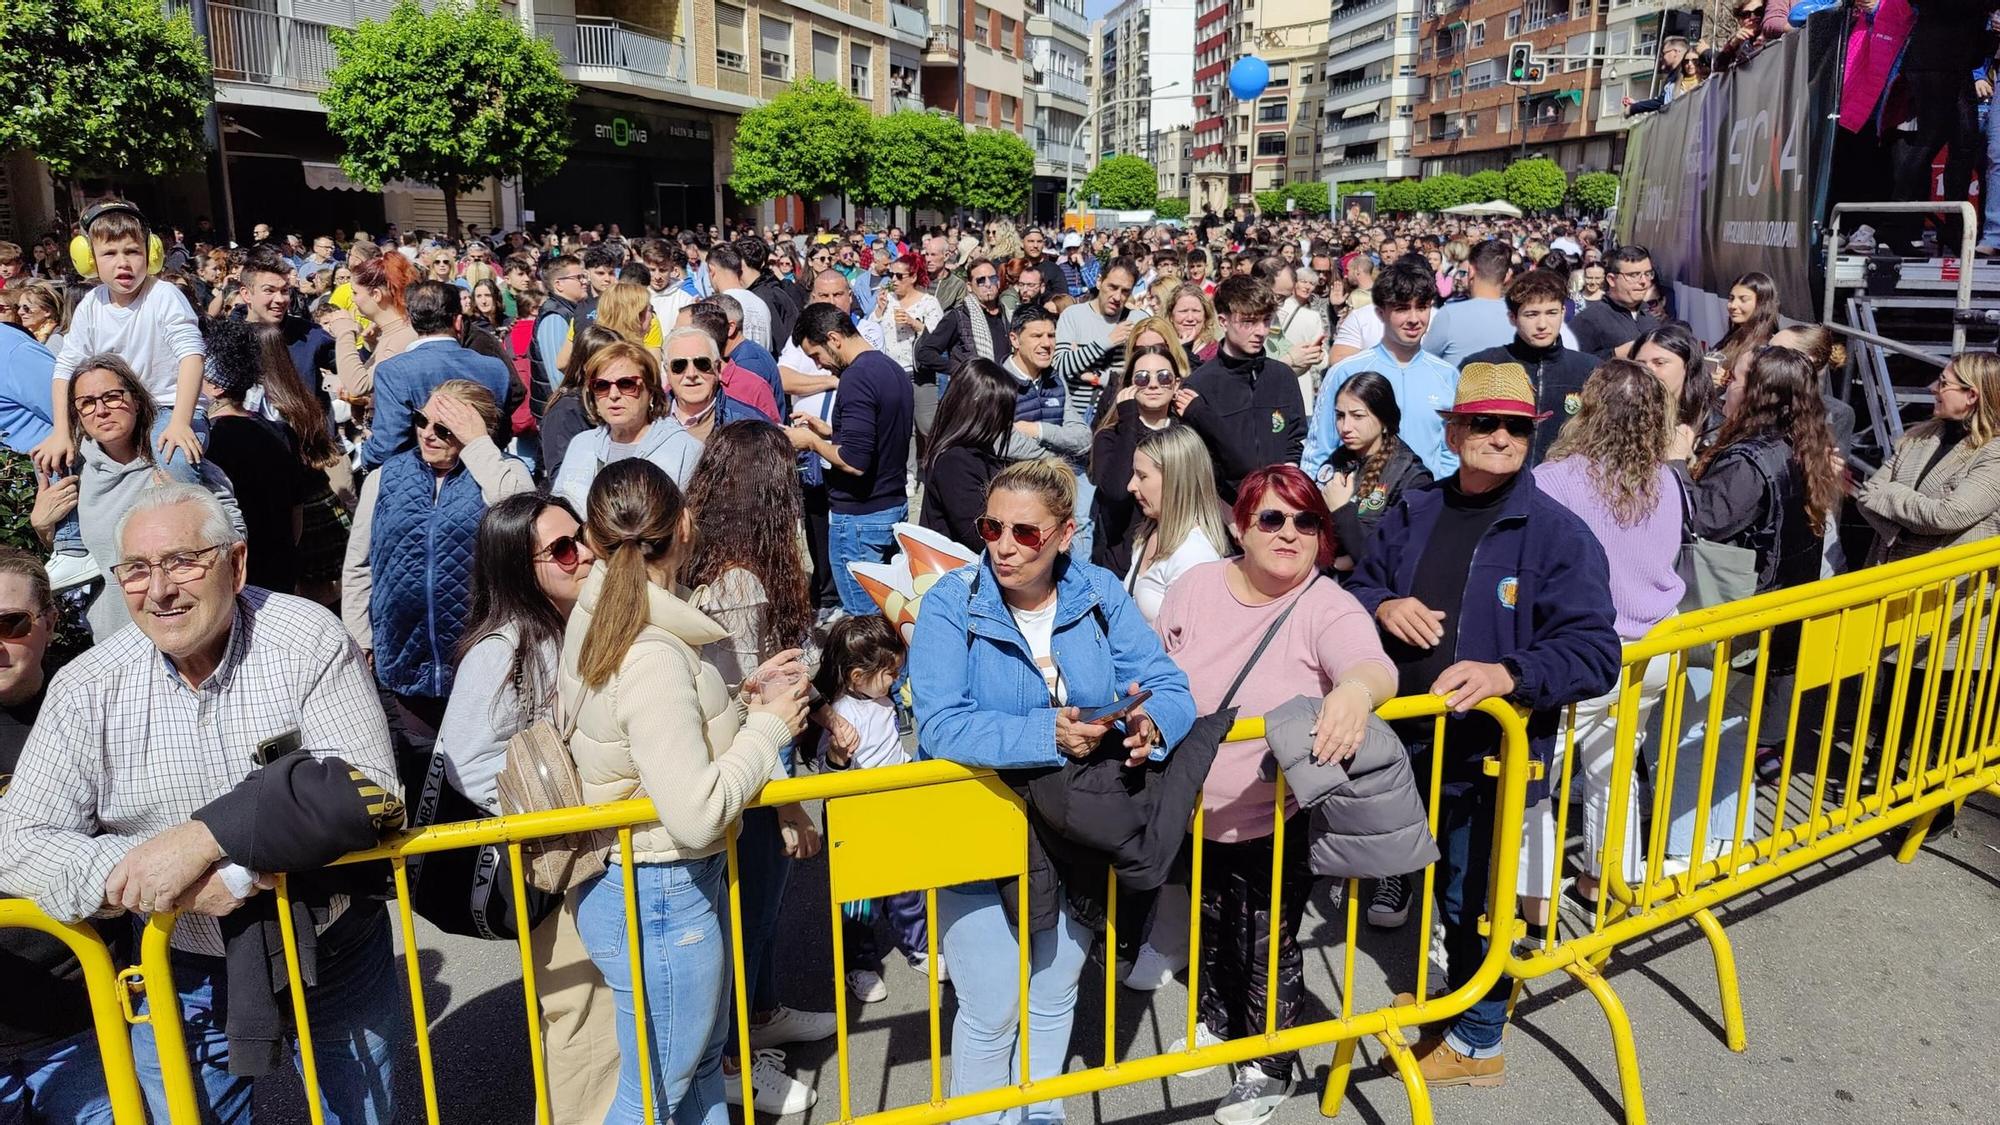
(1271, 521)
(421, 422)
(628, 385)
(1026, 534)
(987, 279)
(16, 625)
(563, 550)
(1483, 424)
(900, 273)
(1144, 379)
(701, 363)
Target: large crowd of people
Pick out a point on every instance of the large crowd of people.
(351, 523)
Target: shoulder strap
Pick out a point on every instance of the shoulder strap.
(1269, 634)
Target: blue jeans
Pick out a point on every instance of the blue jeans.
(685, 958)
(57, 1084)
(763, 869)
(1465, 851)
(861, 538)
(1086, 532)
(356, 1013)
(1725, 791)
(1989, 187)
(984, 953)
(69, 532)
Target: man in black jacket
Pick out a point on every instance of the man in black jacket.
(956, 339)
(1250, 417)
(768, 288)
(1607, 325)
(1535, 309)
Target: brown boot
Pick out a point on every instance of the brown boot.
(1442, 1066)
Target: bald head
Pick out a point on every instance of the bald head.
(831, 286)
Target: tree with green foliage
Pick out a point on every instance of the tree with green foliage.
(1400, 197)
(1122, 183)
(447, 97)
(810, 141)
(999, 169)
(1448, 189)
(1309, 197)
(1271, 202)
(102, 88)
(1594, 191)
(915, 159)
(1535, 184)
(1172, 208)
(1485, 187)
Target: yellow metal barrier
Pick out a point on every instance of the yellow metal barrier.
(919, 827)
(1878, 734)
(110, 1005)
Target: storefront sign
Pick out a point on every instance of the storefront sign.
(633, 134)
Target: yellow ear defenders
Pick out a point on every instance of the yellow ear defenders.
(85, 262)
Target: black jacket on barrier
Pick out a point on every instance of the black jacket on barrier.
(297, 814)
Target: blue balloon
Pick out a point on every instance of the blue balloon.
(1248, 76)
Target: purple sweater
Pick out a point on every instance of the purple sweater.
(1645, 588)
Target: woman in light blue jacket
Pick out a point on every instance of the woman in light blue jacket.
(630, 412)
(1007, 654)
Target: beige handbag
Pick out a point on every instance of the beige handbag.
(539, 776)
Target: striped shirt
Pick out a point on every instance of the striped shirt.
(124, 749)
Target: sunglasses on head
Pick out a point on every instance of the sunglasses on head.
(563, 550)
(701, 363)
(421, 422)
(16, 625)
(628, 385)
(1271, 521)
(1026, 534)
(1144, 379)
(1516, 426)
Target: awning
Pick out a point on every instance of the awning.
(1454, 23)
(329, 177)
(1574, 96)
(1365, 109)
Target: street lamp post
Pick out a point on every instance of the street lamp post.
(1076, 139)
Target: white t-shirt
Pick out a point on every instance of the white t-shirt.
(756, 316)
(153, 334)
(1038, 627)
(1360, 329)
(668, 303)
(875, 721)
(1150, 589)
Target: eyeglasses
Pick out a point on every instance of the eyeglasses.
(1026, 534)
(109, 400)
(701, 363)
(421, 422)
(16, 625)
(1144, 379)
(564, 551)
(900, 274)
(1271, 521)
(566, 277)
(627, 386)
(181, 566)
(1642, 275)
(1516, 426)
(987, 279)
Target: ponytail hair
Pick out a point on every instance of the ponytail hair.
(631, 519)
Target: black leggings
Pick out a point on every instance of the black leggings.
(1236, 934)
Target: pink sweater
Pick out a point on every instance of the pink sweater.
(1210, 633)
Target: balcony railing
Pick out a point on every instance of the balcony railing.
(1069, 19)
(264, 48)
(906, 101)
(1367, 37)
(1341, 90)
(1063, 86)
(592, 41)
(1355, 8)
(909, 20)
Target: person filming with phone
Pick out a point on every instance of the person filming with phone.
(1009, 655)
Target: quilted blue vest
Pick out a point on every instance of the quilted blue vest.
(420, 552)
(1041, 401)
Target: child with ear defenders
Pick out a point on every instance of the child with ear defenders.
(150, 326)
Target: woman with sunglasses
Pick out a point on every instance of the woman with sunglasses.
(906, 311)
(694, 385)
(1372, 468)
(42, 314)
(1325, 645)
(564, 417)
(110, 414)
(1006, 654)
(624, 401)
(1146, 395)
(411, 545)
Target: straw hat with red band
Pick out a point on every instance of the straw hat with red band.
(1495, 388)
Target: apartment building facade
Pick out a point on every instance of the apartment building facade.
(1146, 78)
(1245, 147)
(1372, 90)
(1058, 76)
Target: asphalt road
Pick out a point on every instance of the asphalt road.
(1869, 992)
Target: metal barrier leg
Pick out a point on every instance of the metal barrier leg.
(1330, 1099)
(1413, 1078)
(1913, 838)
(1725, 980)
(1622, 1045)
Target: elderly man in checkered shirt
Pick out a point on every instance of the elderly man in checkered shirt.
(225, 735)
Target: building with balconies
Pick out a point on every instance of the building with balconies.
(1371, 91)
(660, 86)
(1241, 148)
(1057, 76)
(1145, 72)
(980, 48)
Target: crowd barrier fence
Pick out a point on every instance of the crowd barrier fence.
(934, 824)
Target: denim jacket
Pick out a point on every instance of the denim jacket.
(980, 699)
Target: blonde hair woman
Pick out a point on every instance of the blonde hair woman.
(653, 719)
(1173, 483)
(1941, 486)
(1193, 317)
(1154, 358)
(627, 309)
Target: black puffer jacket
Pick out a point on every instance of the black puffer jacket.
(1354, 522)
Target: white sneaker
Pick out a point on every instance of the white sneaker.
(921, 962)
(790, 1025)
(1253, 1098)
(1151, 970)
(66, 571)
(1203, 1037)
(776, 1092)
(867, 986)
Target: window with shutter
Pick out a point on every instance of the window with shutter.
(860, 78)
(774, 41)
(731, 48)
(826, 57)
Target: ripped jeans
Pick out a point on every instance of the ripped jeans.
(685, 960)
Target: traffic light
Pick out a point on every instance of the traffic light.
(1520, 60)
(1538, 73)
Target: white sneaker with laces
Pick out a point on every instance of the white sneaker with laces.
(790, 1025)
(921, 962)
(66, 571)
(776, 1092)
(1203, 1037)
(867, 986)
(1254, 1097)
(1151, 970)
